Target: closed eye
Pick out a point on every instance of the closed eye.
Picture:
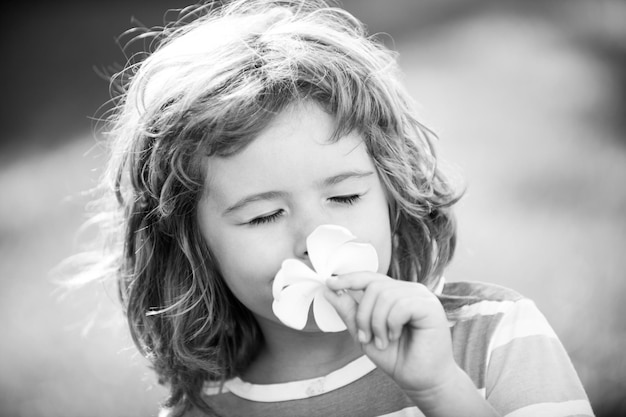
(346, 199)
(266, 219)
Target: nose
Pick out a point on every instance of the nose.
(300, 249)
(303, 226)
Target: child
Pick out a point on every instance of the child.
(245, 130)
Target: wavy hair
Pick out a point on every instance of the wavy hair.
(210, 82)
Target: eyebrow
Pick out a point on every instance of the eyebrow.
(336, 179)
(268, 195)
(275, 195)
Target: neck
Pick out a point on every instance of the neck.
(291, 355)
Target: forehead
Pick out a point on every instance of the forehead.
(294, 151)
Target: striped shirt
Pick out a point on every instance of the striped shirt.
(499, 338)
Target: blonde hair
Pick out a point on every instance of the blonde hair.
(215, 79)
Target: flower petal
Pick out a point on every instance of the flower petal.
(323, 241)
(292, 307)
(326, 316)
(353, 257)
(291, 271)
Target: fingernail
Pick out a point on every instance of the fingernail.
(330, 281)
(362, 336)
(380, 343)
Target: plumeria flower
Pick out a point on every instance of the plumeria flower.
(332, 250)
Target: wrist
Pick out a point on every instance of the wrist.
(448, 382)
(455, 395)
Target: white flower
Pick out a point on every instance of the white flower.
(332, 251)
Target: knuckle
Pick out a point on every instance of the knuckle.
(362, 318)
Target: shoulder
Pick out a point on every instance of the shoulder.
(467, 300)
(503, 342)
(484, 317)
(490, 310)
(460, 293)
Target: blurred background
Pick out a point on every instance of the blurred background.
(528, 98)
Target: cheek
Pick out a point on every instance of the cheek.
(373, 225)
(384, 249)
(247, 280)
(246, 265)
(384, 236)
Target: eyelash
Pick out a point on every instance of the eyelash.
(266, 219)
(346, 199)
(343, 199)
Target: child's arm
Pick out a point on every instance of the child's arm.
(403, 329)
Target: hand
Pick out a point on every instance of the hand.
(401, 327)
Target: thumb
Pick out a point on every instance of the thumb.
(346, 306)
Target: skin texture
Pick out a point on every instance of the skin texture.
(260, 205)
(263, 202)
(257, 210)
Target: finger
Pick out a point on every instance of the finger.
(365, 311)
(385, 301)
(346, 307)
(400, 314)
(419, 313)
(380, 297)
(355, 284)
(354, 281)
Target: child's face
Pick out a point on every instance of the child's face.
(261, 204)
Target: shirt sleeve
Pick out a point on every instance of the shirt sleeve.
(528, 371)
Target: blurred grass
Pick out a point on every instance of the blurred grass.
(525, 111)
(521, 109)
